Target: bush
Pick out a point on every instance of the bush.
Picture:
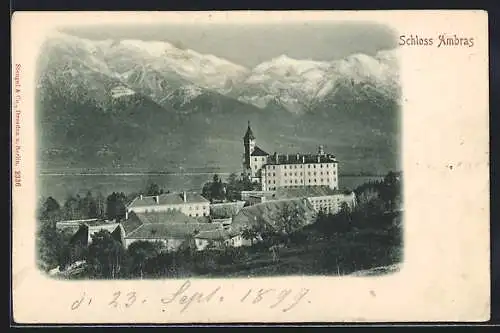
(232, 255)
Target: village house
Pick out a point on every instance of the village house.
(85, 232)
(189, 203)
(269, 212)
(322, 198)
(83, 235)
(74, 225)
(224, 212)
(172, 228)
(218, 238)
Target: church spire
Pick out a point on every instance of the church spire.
(249, 134)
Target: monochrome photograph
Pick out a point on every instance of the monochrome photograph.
(172, 151)
(250, 167)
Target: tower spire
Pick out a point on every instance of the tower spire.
(249, 134)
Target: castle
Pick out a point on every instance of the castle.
(288, 170)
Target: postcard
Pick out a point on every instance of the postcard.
(250, 167)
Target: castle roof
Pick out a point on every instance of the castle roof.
(167, 199)
(259, 152)
(249, 134)
(301, 158)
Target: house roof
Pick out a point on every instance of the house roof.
(305, 192)
(266, 212)
(218, 234)
(131, 223)
(169, 230)
(109, 227)
(257, 151)
(170, 216)
(167, 199)
(226, 209)
(300, 158)
(166, 224)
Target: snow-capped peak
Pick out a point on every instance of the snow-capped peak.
(297, 83)
(158, 68)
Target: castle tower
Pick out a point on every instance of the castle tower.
(249, 143)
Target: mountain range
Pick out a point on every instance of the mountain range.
(154, 105)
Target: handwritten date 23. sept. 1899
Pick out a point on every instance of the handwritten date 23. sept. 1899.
(284, 299)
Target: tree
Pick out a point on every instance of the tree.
(234, 186)
(115, 206)
(105, 255)
(215, 190)
(391, 189)
(50, 209)
(250, 233)
(100, 205)
(288, 220)
(345, 211)
(153, 189)
(49, 244)
(140, 252)
(89, 206)
(71, 209)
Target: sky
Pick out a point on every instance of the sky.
(250, 45)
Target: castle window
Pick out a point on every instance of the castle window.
(309, 180)
(321, 165)
(284, 166)
(315, 180)
(295, 167)
(285, 174)
(327, 172)
(274, 174)
(274, 182)
(256, 159)
(301, 181)
(295, 181)
(300, 173)
(295, 174)
(309, 167)
(321, 179)
(273, 169)
(321, 173)
(315, 173)
(314, 166)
